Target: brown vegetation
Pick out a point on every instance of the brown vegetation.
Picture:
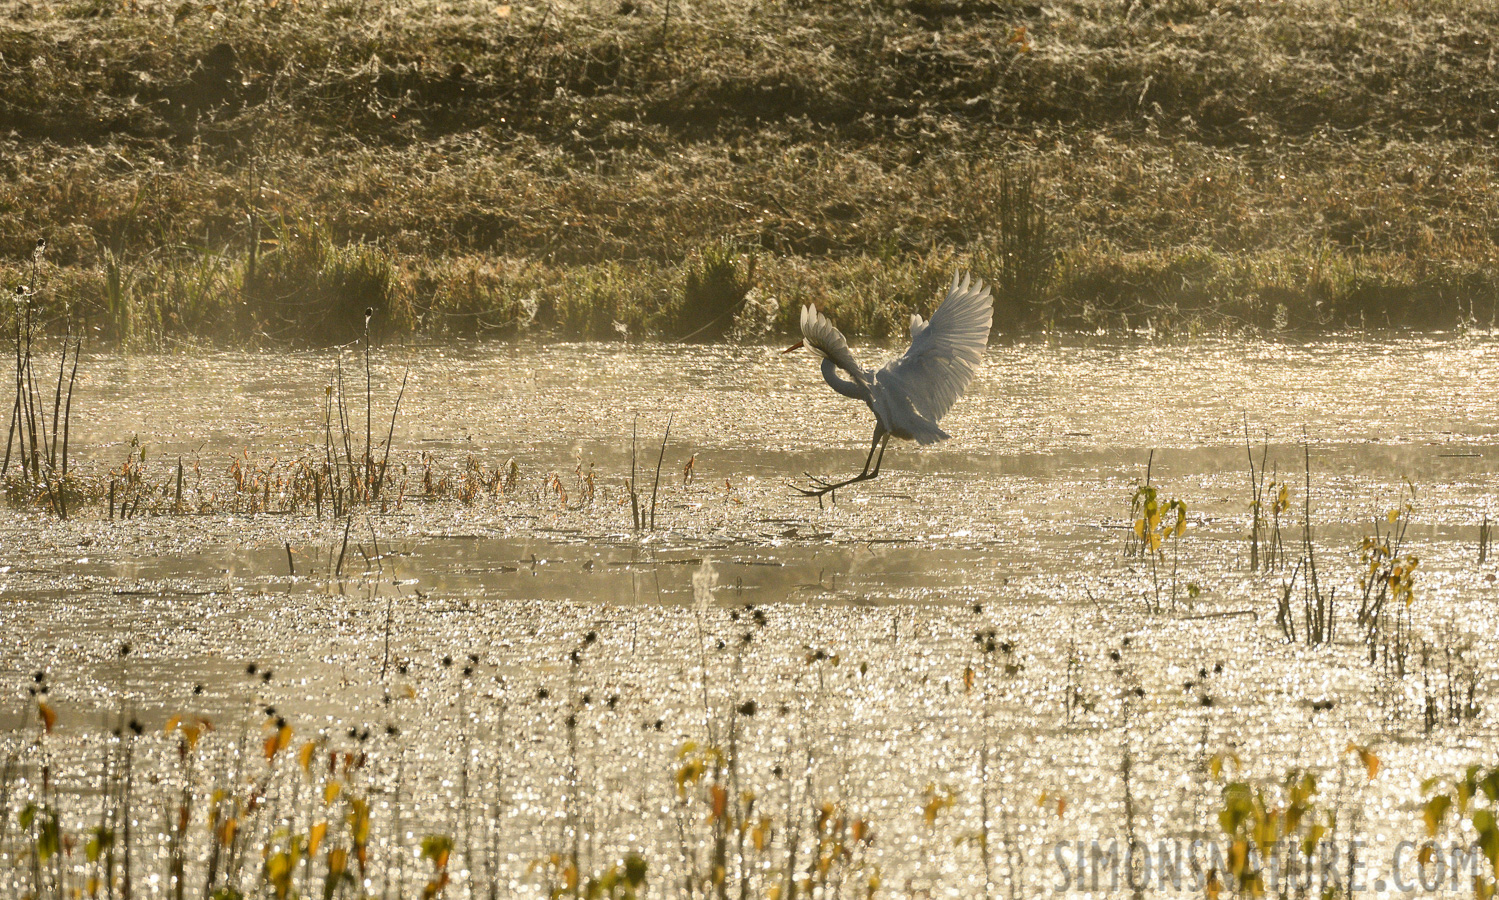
(268, 170)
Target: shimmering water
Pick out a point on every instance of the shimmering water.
(858, 674)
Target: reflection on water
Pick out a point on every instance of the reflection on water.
(1023, 516)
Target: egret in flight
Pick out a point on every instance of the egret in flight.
(912, 392)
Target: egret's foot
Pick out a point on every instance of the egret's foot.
(823, 486)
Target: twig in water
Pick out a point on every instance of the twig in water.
(338, 570)
(1255, 489)
(369, 313)
(67, 413)
(635, 497)
(659, 458)
(390, 435)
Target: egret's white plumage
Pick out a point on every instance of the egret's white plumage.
(910, 394)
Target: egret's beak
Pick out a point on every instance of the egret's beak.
(796, 346)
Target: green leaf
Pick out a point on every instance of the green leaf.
(1436, 809)
(102, 841)
(1488, 835)
(1490, 785)
(436, 846)
(49, 841)
(635, 869)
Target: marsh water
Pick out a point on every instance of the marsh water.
(965, 655)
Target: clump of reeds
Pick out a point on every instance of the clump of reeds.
(1449, 684)
(311, 285)
(1025, 251)
(41, 452)
(716, 286)
(1318, 609)
(1267, 551)
(1387, 587)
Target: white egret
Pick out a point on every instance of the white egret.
(912, 392)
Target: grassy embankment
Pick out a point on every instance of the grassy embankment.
(265, 171)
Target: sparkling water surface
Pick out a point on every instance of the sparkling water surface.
(864, 682)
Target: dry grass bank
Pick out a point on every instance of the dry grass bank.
(267, 170)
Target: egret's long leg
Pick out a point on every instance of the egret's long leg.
(884, 441)
(863, 473)
(878, 442)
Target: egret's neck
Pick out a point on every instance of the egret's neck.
(840, 384)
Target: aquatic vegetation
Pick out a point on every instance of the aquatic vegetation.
(1272, 837)
(1387, 587)
(1267, 550)
(930, 691)
(1318, 609)
(1154, 521)
(42, 456)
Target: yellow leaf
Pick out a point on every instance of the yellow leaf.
(315, 837)
(968, 678)
(1238, 857)
(1213, 887)
(278, 741)
(304, 756)
(49, 716)
(1367, 757)
(330, 793)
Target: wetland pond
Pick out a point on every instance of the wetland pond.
(962, 679)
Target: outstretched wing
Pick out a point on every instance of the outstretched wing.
(945, 352)
(825, 340)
